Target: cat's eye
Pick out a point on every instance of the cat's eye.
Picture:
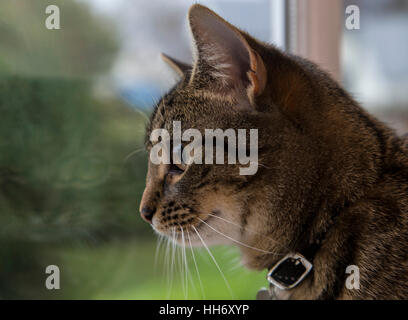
(178, 166)
(176, 169)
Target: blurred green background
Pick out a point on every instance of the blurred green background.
(72, 170)
(74, 104)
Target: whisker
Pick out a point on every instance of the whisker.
(188, 273)
(235, 265)
(239, 242)
(167, 265)
(180, 268)
(185, 258)
(215, 262)
(187, 270)
(183, 274)
(156, 255)
(249, 230)
(192, 283)
(144, 116)
(195, 264)
(172, 265)
(133, 153)
(262, 165)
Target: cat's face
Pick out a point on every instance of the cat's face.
(232, 85)
(187, 200)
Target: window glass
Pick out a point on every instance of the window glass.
(374, 59)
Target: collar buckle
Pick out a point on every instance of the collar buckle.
(289, 271)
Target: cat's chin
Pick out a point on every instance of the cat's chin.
(257, 261)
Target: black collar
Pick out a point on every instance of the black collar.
(290, 271)
(285, 275)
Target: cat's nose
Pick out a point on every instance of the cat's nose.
(147, 213)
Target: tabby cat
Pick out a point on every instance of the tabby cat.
(330, 176)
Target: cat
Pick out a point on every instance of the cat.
(332, 179)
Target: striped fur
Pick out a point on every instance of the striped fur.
(326, 167)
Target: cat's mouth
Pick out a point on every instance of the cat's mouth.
(190, 234)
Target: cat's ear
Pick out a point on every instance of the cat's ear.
(223, 54)
(179, 67)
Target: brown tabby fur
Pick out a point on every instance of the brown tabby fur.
(325, 167)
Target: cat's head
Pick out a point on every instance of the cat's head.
(237, 82)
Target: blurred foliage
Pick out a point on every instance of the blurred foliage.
(84, 46)
(64, 175)
(62, 157)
